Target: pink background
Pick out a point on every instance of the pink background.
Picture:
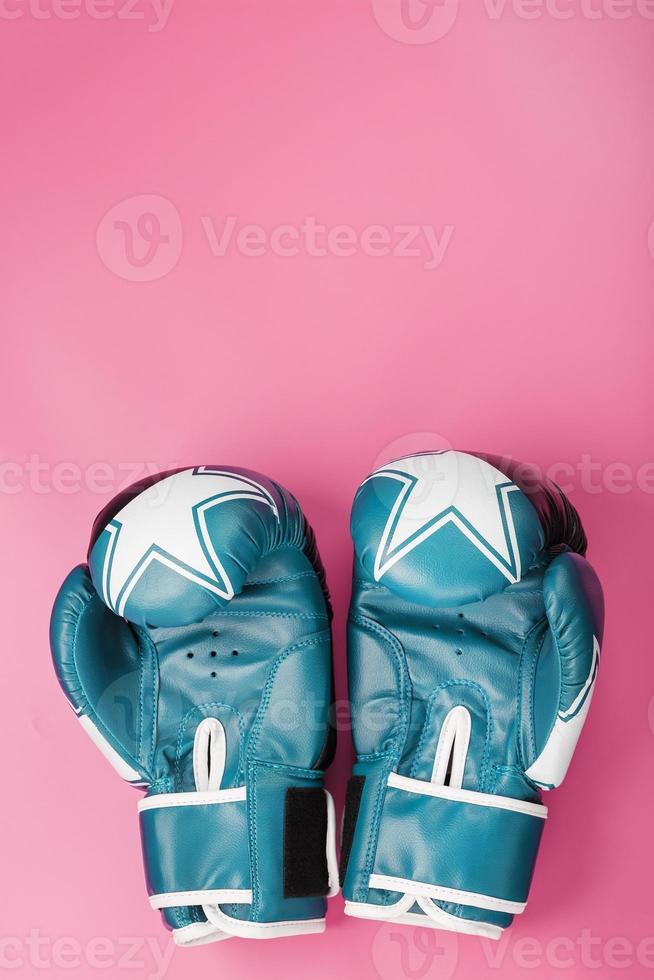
(531, 139)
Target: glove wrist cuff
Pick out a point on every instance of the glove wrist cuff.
(195, 847)
(266, 850)
(473, 851)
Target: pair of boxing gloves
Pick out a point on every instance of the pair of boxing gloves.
(195, 649)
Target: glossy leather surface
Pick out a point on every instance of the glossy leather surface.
(428, 839)
(182, 650)
(192, 848)
(446, 615)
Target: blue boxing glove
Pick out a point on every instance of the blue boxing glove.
(474, 640)
(195, 648)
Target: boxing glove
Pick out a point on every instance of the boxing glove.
(195, 649)
(474, 641)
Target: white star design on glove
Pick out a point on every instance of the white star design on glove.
(449, 488)
(166, 523)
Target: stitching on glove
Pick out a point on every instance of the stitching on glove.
(254, 856)
(404, 688)
(153, 663)
(371, 848)
(283, 578)
(483, 769)
(140, 713)
(272, 615)
(182, 732)
(87, 704)
(85, 607)
(251, 772)
(163, 785)
(155, 704)
(311, 641)
(532, 694)
(527, 674)
(462, 896)
(293, 770)
(140, 709)
(365, 584)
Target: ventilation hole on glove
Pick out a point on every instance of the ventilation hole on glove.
(189, 655)
(460, 632)
(460, 615)
(484, 634)
(213, 654)
(213, 673)
(215, 633)
(436, 627)
(458, 651)
(234, 653)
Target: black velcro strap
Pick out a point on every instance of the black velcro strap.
(305, 843)
(352, 804)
